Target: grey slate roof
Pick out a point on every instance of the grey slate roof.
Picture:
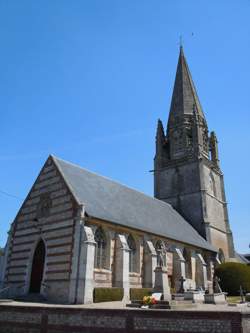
(111, 201)
(184, 95)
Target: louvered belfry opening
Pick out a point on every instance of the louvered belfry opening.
(37, 268)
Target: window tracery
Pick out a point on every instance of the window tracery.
(100, 251)
(132, 253)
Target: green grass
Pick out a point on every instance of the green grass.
(108, 294)
(233, 299)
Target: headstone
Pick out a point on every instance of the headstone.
(194, 296)
(161, 283)
(219, 298)
(181, 290)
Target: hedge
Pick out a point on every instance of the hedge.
(139, 293)
(108, 294)
(232, 276)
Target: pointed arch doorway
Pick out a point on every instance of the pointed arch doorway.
(37, 268)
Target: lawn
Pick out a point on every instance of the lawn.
(233, 299)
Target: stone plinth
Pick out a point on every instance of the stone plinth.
(178, 297)
(161, 282)
(194, 296)
(219, 298)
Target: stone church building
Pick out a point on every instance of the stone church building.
(77, 231)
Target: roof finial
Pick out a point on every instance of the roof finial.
(181, 44)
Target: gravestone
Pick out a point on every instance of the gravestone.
(181, 290)
(161, 282)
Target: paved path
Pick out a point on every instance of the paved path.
(121, 305)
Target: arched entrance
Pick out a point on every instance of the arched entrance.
(37, 268)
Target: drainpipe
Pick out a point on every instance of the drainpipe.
(79, 219)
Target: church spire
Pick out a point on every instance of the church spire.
(184, 98)
(187, 132)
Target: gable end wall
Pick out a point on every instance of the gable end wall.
(56, 230)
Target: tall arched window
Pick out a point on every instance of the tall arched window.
(212, 184)
(100, 251)
(160, 251)
(188, 263)
(132, 254)
(221, 256)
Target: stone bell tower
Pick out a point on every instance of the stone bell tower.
(187, 173)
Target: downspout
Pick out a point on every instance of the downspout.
(81, 216)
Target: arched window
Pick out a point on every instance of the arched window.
(188, 264)
(160, 251)
(221, 256)
(212, 184)
(100, 251)
(132, 254)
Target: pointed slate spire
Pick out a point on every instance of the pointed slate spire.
(184, 98)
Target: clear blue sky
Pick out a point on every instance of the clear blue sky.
(87, 81)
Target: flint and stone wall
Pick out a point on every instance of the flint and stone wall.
(51, 320)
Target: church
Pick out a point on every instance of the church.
(77, 231)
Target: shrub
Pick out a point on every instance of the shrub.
(107, 294)
(232, 276)
(137, 294)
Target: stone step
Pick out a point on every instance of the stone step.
(160, 306)
(182, 302)
(133, 305)
(183, 306)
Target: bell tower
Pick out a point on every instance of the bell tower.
(187, 173)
